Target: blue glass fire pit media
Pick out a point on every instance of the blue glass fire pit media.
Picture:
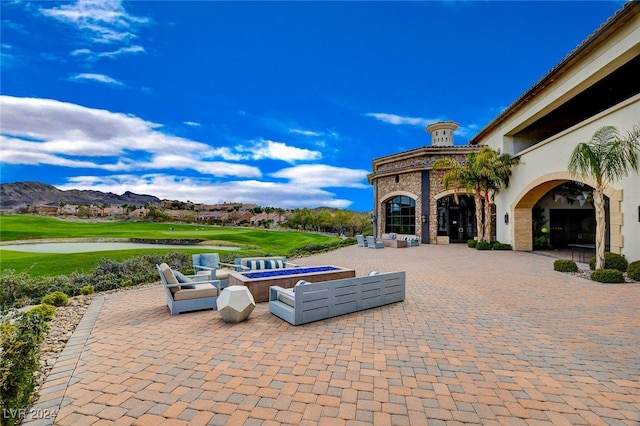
(292, 271)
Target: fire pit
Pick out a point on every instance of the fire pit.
(258, 282)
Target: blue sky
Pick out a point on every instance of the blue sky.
(283, 104)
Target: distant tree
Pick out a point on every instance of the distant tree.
(84, 212)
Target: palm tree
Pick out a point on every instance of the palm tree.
(486, 172)
(494, 170)
(463, 178)
(606, 158)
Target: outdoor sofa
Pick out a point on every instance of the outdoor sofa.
(317, 301)
(260, 263)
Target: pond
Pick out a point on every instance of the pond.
(83, 247)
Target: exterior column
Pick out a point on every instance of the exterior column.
(522, 229)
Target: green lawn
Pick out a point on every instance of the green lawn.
(25, 227)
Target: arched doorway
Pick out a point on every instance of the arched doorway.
(565, 216)
(456, 220)
(551, 187)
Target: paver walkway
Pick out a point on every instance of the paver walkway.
(491, 338)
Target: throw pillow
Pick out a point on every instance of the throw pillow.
(183, 279)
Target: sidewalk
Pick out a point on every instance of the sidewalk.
(483, 338)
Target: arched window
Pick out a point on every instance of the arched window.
(400, 215)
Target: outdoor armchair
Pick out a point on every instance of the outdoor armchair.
(188, 292)
(209, 264)
(374, 244)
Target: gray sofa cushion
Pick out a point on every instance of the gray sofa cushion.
(287, 299)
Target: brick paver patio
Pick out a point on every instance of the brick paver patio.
(491, 338)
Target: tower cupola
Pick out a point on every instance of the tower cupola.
(442, 132)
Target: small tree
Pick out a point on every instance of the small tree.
(606, 158)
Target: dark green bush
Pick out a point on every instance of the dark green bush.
(46, 311)
(607, 276)
(317, 248)
(472, 243)
(483, 245)
(502, 246)
(565, 265)
(57, 298)
(633, 271)
(20, 338)
(611, 261)
(348, 242)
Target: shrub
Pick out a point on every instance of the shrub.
(483, 245)
(611, 261)
(45, 311)
(607, 276)
(633, 271)
(472, 243)
(502, 246)
(57, 298)
(315, 248)
(87, 289)
(20, 340)
(17, 290)
(565, 265)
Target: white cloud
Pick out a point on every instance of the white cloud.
(323, 176)
(267, 149)
(400, 120)
(45, 131)
(192, 123)
(100, 78)
(287, 195)
(104, 21)
(304, 132)
(91, 55)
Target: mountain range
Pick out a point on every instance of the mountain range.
(21, 194)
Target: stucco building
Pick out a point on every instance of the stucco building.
(595, 85)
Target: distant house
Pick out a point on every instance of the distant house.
(47, 210)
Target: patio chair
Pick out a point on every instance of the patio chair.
(374, 244)
(188, 292)
(361, 241)
(208, 264)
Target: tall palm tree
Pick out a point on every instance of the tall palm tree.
(494, 171)
(463, 178)
(606, 158)
(484, 175)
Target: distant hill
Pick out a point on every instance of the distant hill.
(21, 194)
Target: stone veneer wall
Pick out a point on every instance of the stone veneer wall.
(411, 183)
(435, 180)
